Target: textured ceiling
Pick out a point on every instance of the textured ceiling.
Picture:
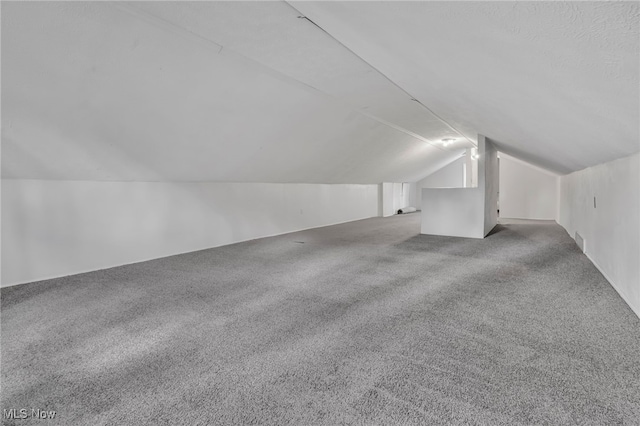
(555, 83)
(252, 91)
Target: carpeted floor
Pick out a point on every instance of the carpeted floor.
(361, 323)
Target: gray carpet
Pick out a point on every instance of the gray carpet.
(360, 323)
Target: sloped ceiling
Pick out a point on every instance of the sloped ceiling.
(555, 83)
(203, 91)
(256, 92)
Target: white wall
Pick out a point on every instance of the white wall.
(394, 196)
(398, 196)
(57, 228)
(526, 191)
(454, 212)
(387, 199)
(404, 196)
(450, 176)
(464, 212)
(611, 229)
(488, 180)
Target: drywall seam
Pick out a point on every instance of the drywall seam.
(221, 50)
(400, 129)
(634, 309)
(413, 98)
(210, 45)
(490, 40)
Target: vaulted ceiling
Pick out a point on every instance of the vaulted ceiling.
(332, 92)
(554, 82)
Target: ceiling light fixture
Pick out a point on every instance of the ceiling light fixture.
(447, 141)
(474, 154)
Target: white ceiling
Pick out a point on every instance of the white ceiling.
(251, 92)
(556, 83)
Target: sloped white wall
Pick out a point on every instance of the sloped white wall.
(611, 228)
(580, 59)
(450, 176)
(137, 98)
(57, 228)
(526, 191)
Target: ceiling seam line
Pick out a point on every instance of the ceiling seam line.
(382, 74)
(185, 33)
(157, 21)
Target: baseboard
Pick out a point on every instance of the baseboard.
(178, 253)
(635, 309)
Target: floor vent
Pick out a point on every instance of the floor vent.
(580, 241)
